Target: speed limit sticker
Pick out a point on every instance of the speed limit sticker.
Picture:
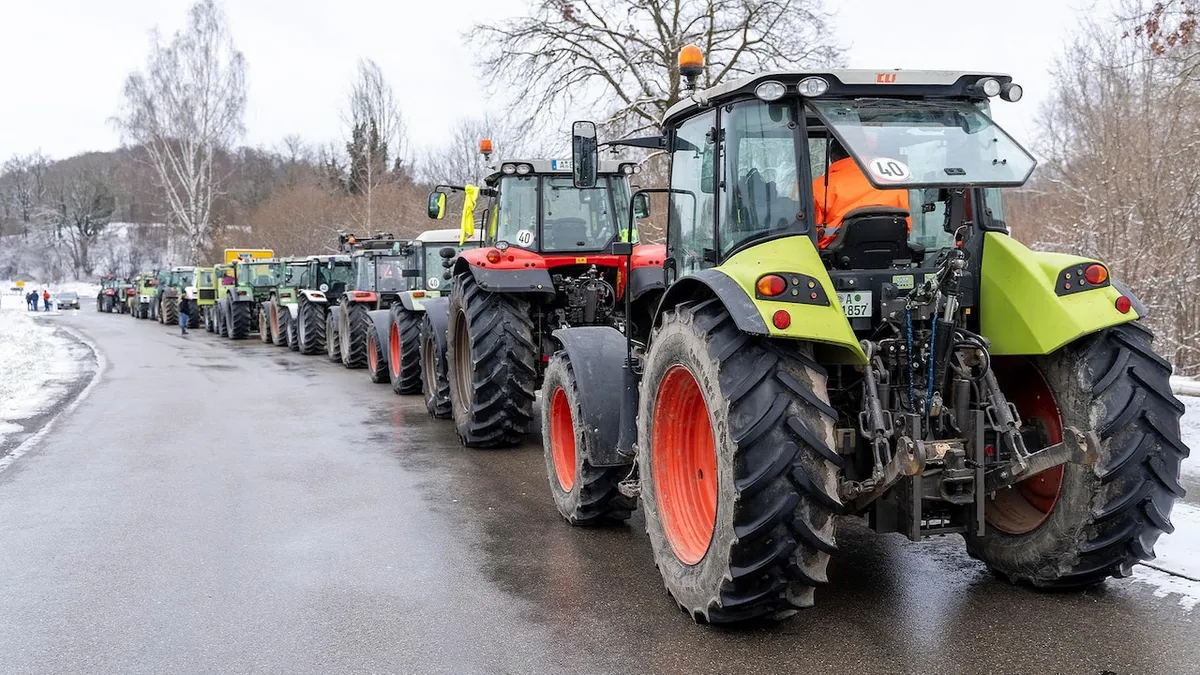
(524, 237)
(888, 169)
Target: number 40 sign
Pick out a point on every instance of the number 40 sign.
(888, 169)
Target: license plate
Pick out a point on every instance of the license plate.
(856, 304)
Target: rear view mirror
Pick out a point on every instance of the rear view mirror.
(641, 206)
(437, 205)
(447, 252)
(585, 155)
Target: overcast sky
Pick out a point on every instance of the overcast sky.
(63, 62)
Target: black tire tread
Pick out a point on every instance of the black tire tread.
(436, 385)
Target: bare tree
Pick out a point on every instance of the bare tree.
(183, 108)
(626, 50)
(81, 207)
(23, 188)
(1121, 180)
(458, 161)
(376, 134)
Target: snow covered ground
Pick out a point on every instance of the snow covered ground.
(38, 367)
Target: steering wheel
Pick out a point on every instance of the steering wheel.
(568, 227)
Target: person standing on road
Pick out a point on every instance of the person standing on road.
(34, 295)
(29, 301)
(185, 310)
(46, 299)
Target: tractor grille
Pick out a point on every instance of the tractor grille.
(208, 294)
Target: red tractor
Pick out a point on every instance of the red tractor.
(550, 260)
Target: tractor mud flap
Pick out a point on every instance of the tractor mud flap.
(438, 311)
(513, 281)
(597, 354)
(644, 279)
(381, 319)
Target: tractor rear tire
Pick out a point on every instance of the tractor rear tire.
(293, 337)
(492, 365)
(583, 494)
(193, 319)
(404, 350)
(170, 312)
(377, 366)
(208, 319)
(738, 475)
(352, 334)
(264, 326)
(1103, 519)
(221, 319)
(311, 329)
(435, 380)
(333, 343)
(239, 320)
(281, 318)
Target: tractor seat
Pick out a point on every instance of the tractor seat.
(872, 238)
(264, 281)
(567, 233)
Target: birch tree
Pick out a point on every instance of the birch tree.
(626, 51)
(376, 135)
(187, 104)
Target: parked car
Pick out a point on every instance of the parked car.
(67, 299)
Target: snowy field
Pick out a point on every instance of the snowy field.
(38, 365)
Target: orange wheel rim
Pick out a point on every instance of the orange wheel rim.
(394, 350)
(371, 353)
(1025, 506)
(684, 464)
(562, 439)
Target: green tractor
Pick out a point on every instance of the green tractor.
(173, 283)
(394, 349)
(276, 314)
(205, 296)
(246, 279)
(916, 367)
(140, 303)
(384, 268)
(319, 289)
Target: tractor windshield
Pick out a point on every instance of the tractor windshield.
(205, 278)
(907, 144)
(433, 261)
(257, 274)
(571, 219)
(181, 278)
(333, 278)
(392, 273)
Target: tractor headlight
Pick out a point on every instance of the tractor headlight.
(508, 169)
(523, 169)
(770, 91)
(1012, 92)
(990, 86)
(813, 86)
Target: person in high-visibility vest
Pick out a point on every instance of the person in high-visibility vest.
(845, 190)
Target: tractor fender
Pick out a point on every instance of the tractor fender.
(507, 277)
(438, 311)
(1133, 299)
(597, 354)
(1026, 307)
(335, 313)
(266, 308)
(382, 320)
(406, 301)
(645, 279)
(294, 310)
(820, 321)
(314, 295)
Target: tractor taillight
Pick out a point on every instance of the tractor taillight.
(418, 294)
(1124, 304)
(771, 285)
(493, 256)
(781, 319)
(1095, 274)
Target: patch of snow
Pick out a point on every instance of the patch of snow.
(1185, 591)
(1185, 385)
(1189, 427)
(1179, 552)
(36, 365)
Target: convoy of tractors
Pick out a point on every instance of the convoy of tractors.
(767, 371)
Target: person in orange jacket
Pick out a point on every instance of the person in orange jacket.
(46, 299)
(848, 189)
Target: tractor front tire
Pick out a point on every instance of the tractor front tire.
(492, 365)
(584, 494)
(239, 320)
(377, 366)
(356, 323)
(404, 350)
(435, 380)
(738, 474)
(310, 331)
(1075, 526)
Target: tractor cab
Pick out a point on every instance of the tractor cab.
(330, 275)
(435, 253)
(383, 268)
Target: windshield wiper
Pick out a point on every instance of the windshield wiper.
(902, 103)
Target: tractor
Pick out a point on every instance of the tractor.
(546, 263)
(141, 301)
(205, 296)
(172, 284)
(322, 281)
(246, 281)
(384, 268)
(394, 349)
(276, 314)
(111, 297)
(916, 366)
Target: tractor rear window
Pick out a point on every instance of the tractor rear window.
(390, 273)
(260, 274)
(909, 144)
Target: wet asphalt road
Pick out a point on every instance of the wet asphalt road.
(230, 507)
